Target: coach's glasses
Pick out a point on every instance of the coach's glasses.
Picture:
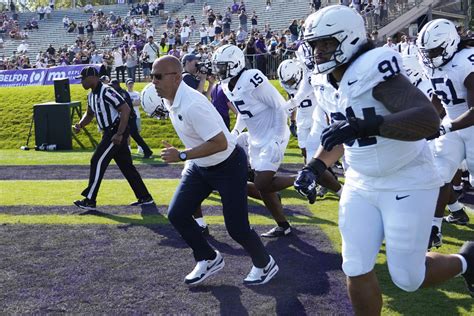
(160, 76)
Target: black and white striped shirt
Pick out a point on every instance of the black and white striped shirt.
(104, 101)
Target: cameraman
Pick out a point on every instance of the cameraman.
(195, 74)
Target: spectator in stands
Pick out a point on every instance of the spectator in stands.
(254, 22)
(211, 32)
(23, 47)
(242, 6)
(88, 8)
(294, 30)
(228, 14)
(96, 58)
(119, 64)
(268, 5)
(81, 30)
(211, 17)
(163, 47)
(108, 62)
(243, 20)
(12, 6)
(47, 11)
(390, 44)
(226, 26)
(250, 52)
(51, 50)
(149, 54)
(161, 7)
(241, 36)
(34, 23)
(218, 25)
(203, 33)
(40, 10)
(131, 60)
(205, 9)
(66, 22)
(72, 27)
(235, 7)
(185, 32)
(52, 3)
(174, 51)
(261, 50)
(90, 30)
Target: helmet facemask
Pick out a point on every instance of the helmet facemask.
(334, 58)
(435, 57)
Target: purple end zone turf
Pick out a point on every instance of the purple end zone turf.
(131, 268)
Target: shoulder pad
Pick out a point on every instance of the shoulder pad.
(463, 63)
(370, 69)
(250, 79)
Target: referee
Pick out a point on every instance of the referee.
(217, 163)
(111, 113)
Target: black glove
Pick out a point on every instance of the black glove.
(293, 129)
(305, 184)
(349, 130)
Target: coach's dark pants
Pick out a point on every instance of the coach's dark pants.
(229, 178)
(104, 153)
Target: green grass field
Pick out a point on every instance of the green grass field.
(17, 109)
(15, 113)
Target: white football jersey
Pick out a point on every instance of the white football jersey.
(306, 101)
(448, 82)
(260, 106)
(375, 163)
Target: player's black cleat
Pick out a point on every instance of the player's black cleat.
(459, 217)
(436, 238)
(467, 251)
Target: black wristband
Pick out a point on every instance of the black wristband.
(367, 127)
(317, 166)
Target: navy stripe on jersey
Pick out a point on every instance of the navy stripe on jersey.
(104, 104)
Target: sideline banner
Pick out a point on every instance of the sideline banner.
(43, 76)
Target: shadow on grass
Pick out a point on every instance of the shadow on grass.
(151, 219)
(425, 301)
(304, 270)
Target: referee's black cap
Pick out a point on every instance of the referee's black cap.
(88, 72)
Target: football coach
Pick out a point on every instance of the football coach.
(217, 163)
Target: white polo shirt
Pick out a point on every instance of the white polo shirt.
(196, 120)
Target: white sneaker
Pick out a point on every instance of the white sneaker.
(259, 276)
(139, 150)
(204, 269)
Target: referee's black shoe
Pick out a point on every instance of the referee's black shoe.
(143, 201)
(86, 204)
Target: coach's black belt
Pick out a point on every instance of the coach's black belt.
(220, 164)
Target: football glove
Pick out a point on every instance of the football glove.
(305, 184)
(293, 129)
(349, 130)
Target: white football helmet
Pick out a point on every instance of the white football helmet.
(413, 68)
(438, 41)
(290, 74)
(152, 103)
(227, 62)
(341, 23)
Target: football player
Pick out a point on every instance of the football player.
(379, 121)
(450, 68)
(417, 76)
(261, 111)
(294, 77)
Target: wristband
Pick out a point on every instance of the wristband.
(445, 128)
(317, 166)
